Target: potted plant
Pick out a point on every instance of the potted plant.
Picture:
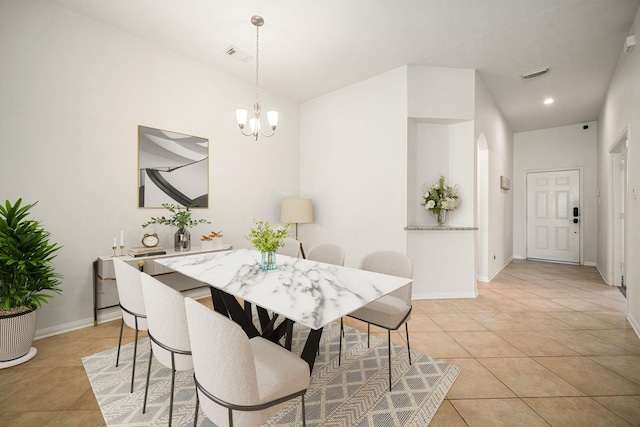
(267, 240)
(26, 273)
(181, 218)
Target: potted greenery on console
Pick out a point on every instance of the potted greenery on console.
(181, 218)
(25, 272)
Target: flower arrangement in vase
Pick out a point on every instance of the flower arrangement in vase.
(181, 218)
(440, 198)
(267, 240)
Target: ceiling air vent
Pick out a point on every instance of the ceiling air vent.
(535, 74)
(236, 53)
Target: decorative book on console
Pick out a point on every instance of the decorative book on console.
(144, 251)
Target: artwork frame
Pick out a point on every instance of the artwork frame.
(505, 183)
(172, 168)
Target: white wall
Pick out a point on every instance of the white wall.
(73, 93)
(499, 137)
(621, 110)
(353, 164)
(565, 147)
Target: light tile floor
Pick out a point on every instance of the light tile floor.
(543, 344)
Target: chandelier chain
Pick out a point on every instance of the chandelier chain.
(257, 58)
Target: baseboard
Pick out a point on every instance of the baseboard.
(105, 315)
(485, 279)
(604, 278)
(445, 295)
(634, 324)
(517, 257)
(589, 264)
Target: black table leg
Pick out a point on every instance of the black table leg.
(218, 304)
(237, 313)
(311, 347)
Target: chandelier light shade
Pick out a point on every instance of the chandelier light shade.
(255, 128)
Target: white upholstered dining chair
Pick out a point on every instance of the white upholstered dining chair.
(240, 381)
(291, 248)
(391, 310)
(131, 305)
(327, 253)
(168, 332)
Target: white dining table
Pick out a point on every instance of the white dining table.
(307, 292)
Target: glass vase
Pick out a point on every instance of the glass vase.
(442, 216)
(182, 240)
(268, 261)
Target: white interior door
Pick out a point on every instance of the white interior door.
(553, 216)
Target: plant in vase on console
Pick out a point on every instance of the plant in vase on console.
(440, 198)
(267, 240)
(181, 218)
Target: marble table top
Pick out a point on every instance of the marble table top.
(307, 292)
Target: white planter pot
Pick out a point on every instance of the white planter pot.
(17, 332)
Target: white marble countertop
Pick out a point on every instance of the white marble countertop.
(304, 291)
(436, 227)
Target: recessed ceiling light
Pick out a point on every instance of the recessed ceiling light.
(548, 101)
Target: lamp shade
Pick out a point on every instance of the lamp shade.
(297, 211)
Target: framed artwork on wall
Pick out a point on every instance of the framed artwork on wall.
(505, 183)
(172, 168)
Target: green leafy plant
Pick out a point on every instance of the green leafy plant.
(25, 260)
(181, 217)
(267, 239)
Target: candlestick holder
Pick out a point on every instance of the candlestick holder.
(121, 250)
(114, 251)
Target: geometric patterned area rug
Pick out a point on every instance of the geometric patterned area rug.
(353, 394)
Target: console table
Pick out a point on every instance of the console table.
(105, 290)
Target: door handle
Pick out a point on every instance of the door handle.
(575, 212)
(575, 220)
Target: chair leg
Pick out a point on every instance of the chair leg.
(195, 417)
(173, 382)
(368, 335)
(304, 418)
(340, 335)
(389, 339)
(119, 341)
(406, 327)
(135, 351)
(146, 389)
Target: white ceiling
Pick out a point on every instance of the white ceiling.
(311, 47)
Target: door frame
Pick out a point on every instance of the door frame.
(580, 170)
(616, 234)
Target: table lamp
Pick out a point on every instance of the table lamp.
(296, 211)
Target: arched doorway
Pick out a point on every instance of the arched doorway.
(482, 208)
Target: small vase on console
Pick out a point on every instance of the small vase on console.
(182, 240)
(268, 261)
(442, 217)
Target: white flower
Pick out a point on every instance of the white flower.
(440, 196)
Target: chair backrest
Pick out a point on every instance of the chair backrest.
(167, 320)
(130, 293)
(224, 364)
(328, 253)
(291, 248)
(393, 263)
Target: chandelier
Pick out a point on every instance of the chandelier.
(241, 115)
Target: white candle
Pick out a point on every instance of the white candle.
(121, 237)
(114, 242)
